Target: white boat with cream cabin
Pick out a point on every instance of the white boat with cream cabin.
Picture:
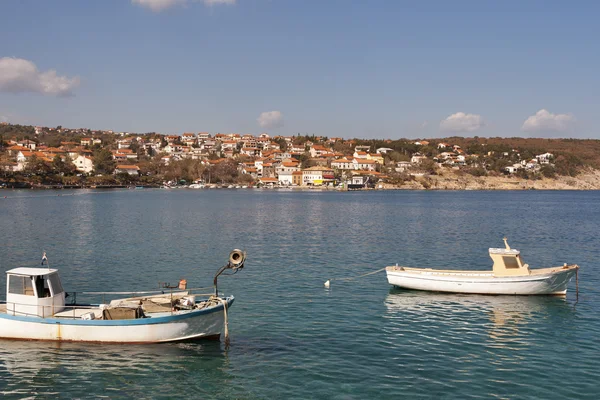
(36, 309)
(509, 275)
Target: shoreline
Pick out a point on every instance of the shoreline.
(448, 180)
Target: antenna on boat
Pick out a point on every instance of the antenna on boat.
(506, 243)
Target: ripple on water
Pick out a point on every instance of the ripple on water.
(291, 338)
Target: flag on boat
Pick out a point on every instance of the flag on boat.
(44, 258)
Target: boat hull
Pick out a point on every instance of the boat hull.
(552, 283)
(180, 326)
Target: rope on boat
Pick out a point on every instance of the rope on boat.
(226, 322)
(577, 283)
(328, 282)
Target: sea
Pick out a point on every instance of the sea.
(292, 338)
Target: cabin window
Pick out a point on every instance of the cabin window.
(41, 286)
(510, 262)
(20, 285)
(55, 284)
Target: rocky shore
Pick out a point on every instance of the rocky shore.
(450, 180)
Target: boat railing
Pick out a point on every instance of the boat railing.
(104, 295)
(49, 311)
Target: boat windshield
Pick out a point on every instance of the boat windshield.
(510, 262)
(55, 284)
(41, 286)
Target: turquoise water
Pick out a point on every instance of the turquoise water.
(291, 337)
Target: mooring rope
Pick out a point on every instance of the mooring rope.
(225, 322)
(328, 282)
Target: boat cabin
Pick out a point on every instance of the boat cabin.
(508, 262)
(34, 292)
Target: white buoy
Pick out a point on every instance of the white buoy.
(327, 283)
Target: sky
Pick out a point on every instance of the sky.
(338, 68)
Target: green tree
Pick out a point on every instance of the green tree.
(36, 165)
(282, 143)
(103, 162)
(428, 166)
(304, 159)
(65, 167)
(568, 164)
(548, 171)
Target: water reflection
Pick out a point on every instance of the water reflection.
(505, 320)
(76, 368)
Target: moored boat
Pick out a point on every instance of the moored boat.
(35, 309)
(509, 275)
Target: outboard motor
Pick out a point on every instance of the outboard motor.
(235, 263)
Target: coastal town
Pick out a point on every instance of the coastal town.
(60, 156)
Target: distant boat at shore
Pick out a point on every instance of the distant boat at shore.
(509, 275)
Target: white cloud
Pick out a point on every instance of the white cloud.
(217, 2)
(546, 121)
(461, 122)
(160, 5)
(18, 75)
(270, 119)
(3, 118)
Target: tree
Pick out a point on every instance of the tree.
(225, 171)
(125, 178)
(282, 143)
(567, 164)
(395, 156)
(548, 171)
(63, 167)
(103, 162)
(37, 166)
(304, 159)
(428, 166)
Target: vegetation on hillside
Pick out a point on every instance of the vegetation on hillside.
(482, 157)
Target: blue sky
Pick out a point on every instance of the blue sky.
(372, 69)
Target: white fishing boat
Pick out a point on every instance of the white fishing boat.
(36, 309)
(509, 275)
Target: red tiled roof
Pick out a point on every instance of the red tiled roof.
(128, 167)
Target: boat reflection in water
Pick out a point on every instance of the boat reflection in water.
(78, 369)
(488, 320)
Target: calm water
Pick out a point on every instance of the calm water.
(291, 337)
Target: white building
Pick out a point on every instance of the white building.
(417, 158)
(343, 164)
(128, 169)
(83, 164)
(317, 176)
(544, 158)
